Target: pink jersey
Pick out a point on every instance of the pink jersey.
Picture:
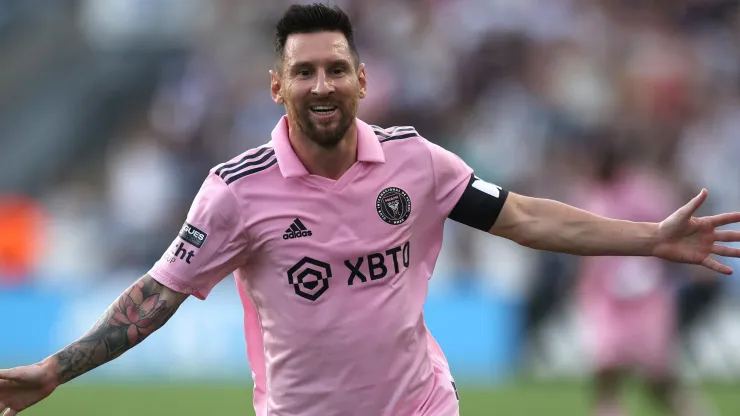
(333, 274)
(625, 299)
(636, 196)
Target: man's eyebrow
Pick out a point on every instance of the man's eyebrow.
(300, 64)
(336, 61)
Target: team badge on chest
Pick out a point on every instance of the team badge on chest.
(393, 205)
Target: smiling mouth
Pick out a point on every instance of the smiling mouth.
(323, 110)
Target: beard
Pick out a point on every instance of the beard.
(325, 133)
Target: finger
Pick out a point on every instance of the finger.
(724, 219)
(725, 251)
(712, 264)
(727, 236)
(690, 208)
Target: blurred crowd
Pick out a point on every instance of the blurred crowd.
(563, 99)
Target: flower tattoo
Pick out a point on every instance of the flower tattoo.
(136, 314)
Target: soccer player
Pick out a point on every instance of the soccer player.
(333, 229)
(624, 299)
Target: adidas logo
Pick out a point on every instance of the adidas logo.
(296, 230)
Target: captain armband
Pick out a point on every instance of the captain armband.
(480, 204)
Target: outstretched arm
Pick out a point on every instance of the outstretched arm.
(211, 244)
(142, 309)
(544, 224)
(139, 311)
(553, 226)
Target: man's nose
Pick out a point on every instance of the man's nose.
(323, 84)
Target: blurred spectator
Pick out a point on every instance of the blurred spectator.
(144, 196)
(22, 225)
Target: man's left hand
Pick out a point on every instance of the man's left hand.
(684, 238)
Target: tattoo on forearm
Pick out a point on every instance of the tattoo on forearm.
(141, 310)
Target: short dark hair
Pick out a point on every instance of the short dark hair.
(313, 18)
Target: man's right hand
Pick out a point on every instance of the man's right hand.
(22, 387)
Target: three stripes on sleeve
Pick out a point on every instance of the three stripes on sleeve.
(247, 165)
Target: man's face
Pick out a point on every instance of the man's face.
(320, 86)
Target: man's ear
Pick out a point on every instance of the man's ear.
(362, 77)
(276, 88)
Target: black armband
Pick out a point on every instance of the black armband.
(480, 204)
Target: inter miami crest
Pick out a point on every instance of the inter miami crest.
(393, 205)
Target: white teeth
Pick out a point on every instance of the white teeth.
(322, 108)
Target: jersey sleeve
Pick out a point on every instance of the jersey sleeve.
(460, 195)
(451, 174)
(210, 245)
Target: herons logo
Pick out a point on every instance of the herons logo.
(310, 278)
(393, 205)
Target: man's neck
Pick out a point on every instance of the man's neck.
(320, 161)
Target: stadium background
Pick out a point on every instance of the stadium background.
(112, 111)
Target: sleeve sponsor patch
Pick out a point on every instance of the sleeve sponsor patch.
(192, 235)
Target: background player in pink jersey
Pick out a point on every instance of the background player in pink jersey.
(320, 80)
(628, 304)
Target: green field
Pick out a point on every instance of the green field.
(525, 399)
